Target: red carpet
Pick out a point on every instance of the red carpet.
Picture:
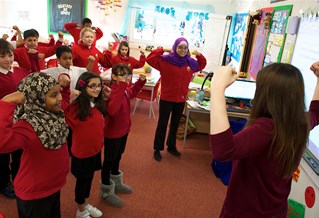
(173, 188)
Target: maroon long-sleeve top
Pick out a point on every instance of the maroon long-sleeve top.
(255, 188)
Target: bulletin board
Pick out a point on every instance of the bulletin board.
(65, 11)
(258, 50)
(277, 34)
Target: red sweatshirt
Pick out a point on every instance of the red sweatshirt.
(87, 136)
(118, 119)
(75, 31)
(31, 62)
(44, 44)
(255, 189)
(131, 62)
(174, 79)
(81, 54)
(10, 81)
(42, 171)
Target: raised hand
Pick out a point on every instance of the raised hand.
(64, 80)
(41, 56)
(142, 76)
(74, 94)
(110, 46)
(106, 92)
(195, 52)
(91, 58)
(169, 50)
(32, 51)
(315, 68)
(223, 77)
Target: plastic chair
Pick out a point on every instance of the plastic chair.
(148, 94)
(52, 63)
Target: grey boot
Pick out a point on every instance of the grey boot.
(107, 193)
(119, 186)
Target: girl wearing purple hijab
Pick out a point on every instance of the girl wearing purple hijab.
(177, 69)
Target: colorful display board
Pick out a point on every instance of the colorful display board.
(277, 35)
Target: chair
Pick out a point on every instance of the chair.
(52, 63)
(148, 94)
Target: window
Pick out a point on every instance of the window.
(166, 24)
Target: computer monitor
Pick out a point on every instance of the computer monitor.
(241, 89)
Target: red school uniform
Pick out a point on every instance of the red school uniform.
(174, 79)
(87, 136)
(31, 62)
(81, 53)
(51, 176)
(118, 119)
(130, 61)
(10, 80)
(75, 31)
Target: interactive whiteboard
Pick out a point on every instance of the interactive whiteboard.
(306, 52)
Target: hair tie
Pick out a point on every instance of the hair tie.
(82, 83)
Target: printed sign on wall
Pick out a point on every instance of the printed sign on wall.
(65, 11)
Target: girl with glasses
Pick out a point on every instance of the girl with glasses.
(116, 130)
(87, 111)
(177, 69)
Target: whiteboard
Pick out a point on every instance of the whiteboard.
(306, 52)
(217, 29)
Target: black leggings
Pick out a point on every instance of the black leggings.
(82, 189)
(113, 150)
(167, 109)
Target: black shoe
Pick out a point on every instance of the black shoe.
(157, 155)
(8, 191)
(174, 152)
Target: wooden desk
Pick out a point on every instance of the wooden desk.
(189, 109)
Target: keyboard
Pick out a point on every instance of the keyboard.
(238, 110)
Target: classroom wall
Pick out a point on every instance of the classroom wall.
(251, 5)
(26, 15)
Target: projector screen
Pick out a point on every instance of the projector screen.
(241, 89)
(306, 52)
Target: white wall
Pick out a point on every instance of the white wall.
(33, 14)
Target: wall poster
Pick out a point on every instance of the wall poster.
(258, 51)
(65, 11)
(277, 35)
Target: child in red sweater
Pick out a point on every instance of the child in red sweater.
(117, 127)
(85, 48)
(123, 57)
(75, 29)
(10, 77)
(39, 128)
(86, 113)
(31, 56)
(268, 150)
